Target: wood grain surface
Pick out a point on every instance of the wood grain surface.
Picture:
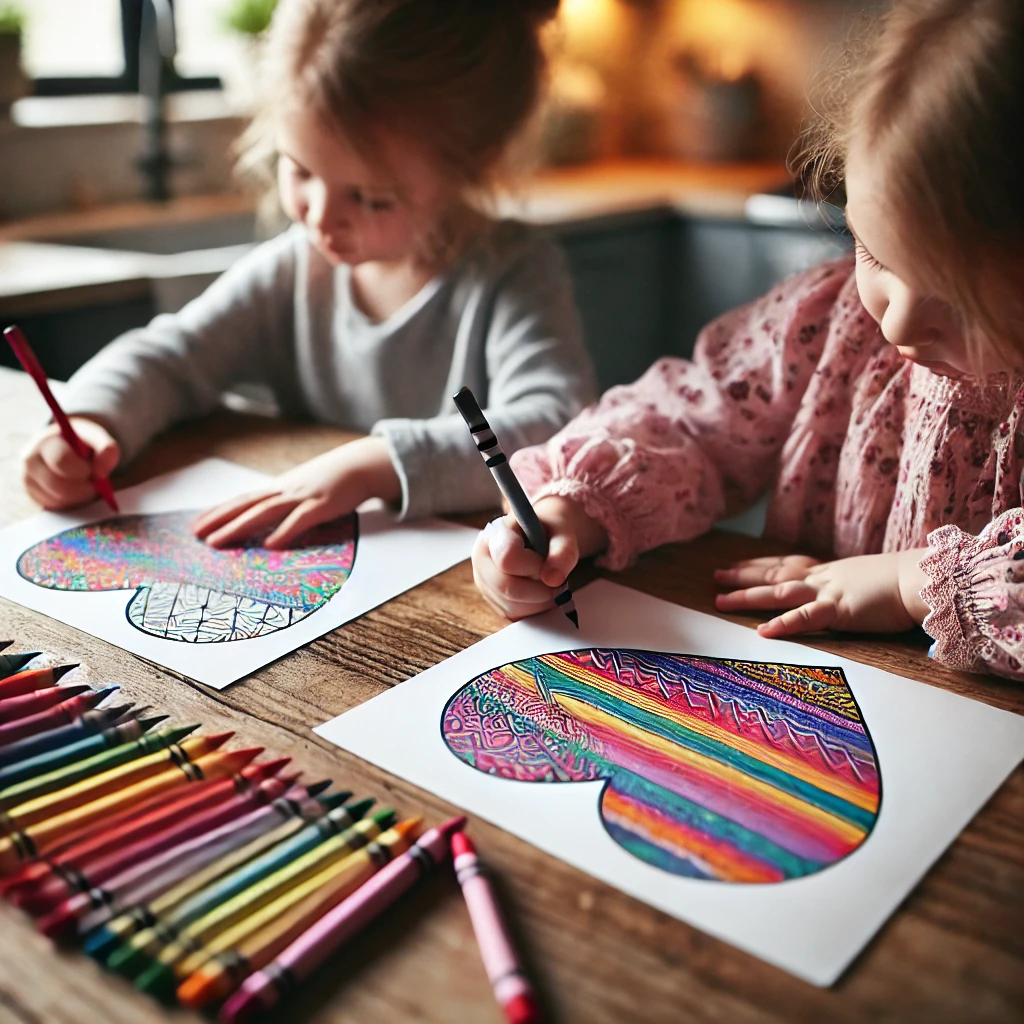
(953, 952)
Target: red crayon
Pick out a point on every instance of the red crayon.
(31, 679)
(138, 822)
(511, 988)
(28, 360)
(52, 718)
(89, 872)
(27, 704)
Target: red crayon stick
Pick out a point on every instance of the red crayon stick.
(138, 822)
(90, 872)
(263, 990)
(31, 679)
(27, 704)
(511, 988)
(28, 360)
(52, 718)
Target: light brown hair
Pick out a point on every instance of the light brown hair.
(458, 77)
(938, 98)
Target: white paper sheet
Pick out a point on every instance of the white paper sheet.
(940, 756)
(390, 558)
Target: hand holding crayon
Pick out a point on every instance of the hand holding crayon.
(109, 453)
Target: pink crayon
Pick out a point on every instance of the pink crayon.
(264, 990)
(511, 989)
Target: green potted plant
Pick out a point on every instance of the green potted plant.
(247, 21)
(249, 17)
(13, 84)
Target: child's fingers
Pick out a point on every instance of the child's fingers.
(514, 596)
(105, 458)
(262, 515)
(750, 575)
(563, 554)
(808, 618)
(508, 551)
(59, 458)
(213, 518)
(780, 595)
(54, 492)
(303, 517)
(504, 590)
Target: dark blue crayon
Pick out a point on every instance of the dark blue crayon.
(84, 726)
(11, 663)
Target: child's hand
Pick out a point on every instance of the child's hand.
(55, 476)
(329, 486)
(868, 593)
(514, 579)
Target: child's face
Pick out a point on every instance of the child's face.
(921, 325)
(354, 214)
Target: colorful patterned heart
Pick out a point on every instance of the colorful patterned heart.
(736, 771)
(184, 589)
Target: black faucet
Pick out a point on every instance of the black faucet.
(157, 45)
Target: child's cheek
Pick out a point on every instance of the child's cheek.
(872, 294)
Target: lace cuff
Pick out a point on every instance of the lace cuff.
(976, 596)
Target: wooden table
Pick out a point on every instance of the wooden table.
(953, 952)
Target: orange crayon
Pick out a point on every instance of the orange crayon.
(31, 679)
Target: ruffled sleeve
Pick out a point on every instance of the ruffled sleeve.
(975, 592)
(662, 459)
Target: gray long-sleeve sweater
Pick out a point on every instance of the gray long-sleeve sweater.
(500, 320)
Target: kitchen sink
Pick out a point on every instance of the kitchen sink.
(169, 239)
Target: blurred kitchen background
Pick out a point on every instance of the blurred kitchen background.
(658, 161)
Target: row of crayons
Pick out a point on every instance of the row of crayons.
(202, 874)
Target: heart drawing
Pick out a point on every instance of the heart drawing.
(186, 590)
(735, 771)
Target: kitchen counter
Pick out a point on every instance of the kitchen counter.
(38, 273)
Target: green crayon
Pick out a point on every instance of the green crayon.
(76, 771)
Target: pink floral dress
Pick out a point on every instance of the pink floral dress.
(798, 394)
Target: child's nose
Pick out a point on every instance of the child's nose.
(322, 209)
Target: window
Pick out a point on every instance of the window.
(92, 46)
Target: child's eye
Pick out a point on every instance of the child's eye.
(375, 204)
(866, 257)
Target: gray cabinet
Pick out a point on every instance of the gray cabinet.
(646, 283)
(723, 264)
(623, 271)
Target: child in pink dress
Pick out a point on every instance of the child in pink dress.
(877, 399)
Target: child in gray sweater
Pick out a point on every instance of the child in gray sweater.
(388, 293)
